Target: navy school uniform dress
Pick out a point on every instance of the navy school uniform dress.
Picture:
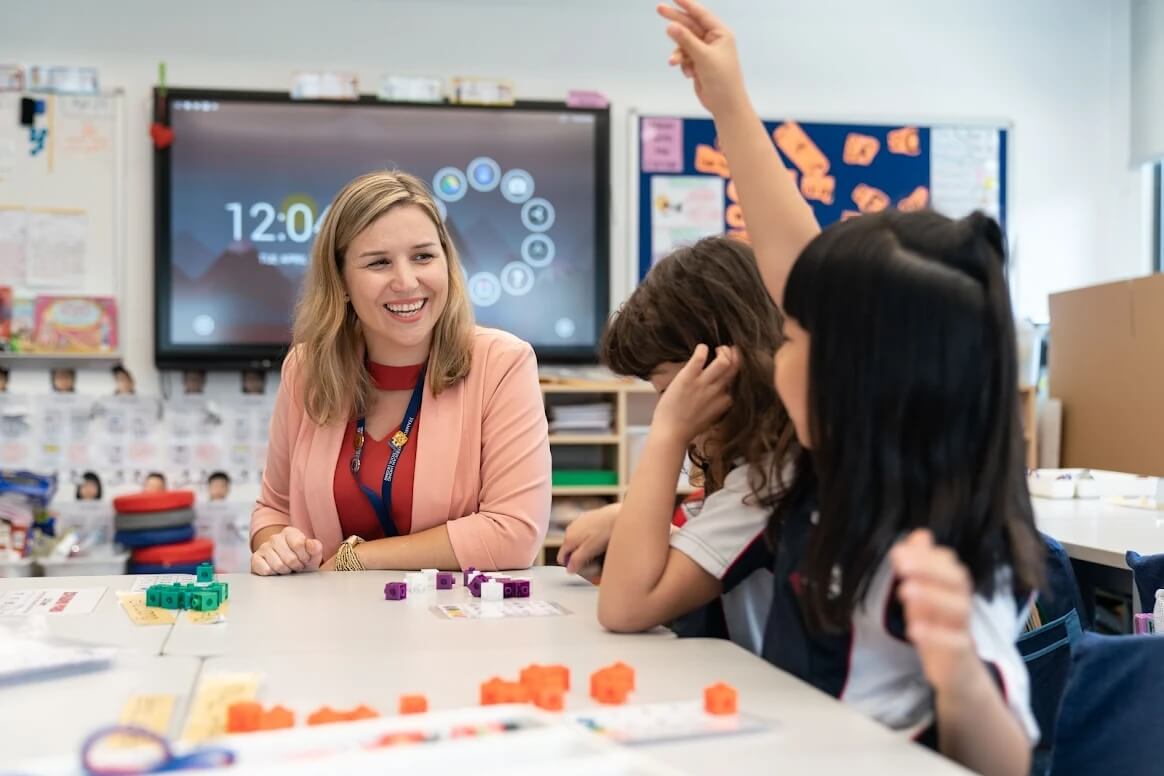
(872, 665)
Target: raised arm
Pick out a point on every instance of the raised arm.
(780, 222)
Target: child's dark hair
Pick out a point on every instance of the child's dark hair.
(218, 475)
(711, 293)
(913, 404)
(93, 478)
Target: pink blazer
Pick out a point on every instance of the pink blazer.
(482, 461)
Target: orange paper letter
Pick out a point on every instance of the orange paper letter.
(819, 188)
(708, 160)
(791, 138)
(904, 141)
(917, 200)
(869, 199)
(861, 149)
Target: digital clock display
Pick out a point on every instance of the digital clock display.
(251, 181)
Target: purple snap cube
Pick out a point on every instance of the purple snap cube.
(395, 591)
(475, 585)
(445, 581)
(468, 575)
(509, 588)
(522, 588)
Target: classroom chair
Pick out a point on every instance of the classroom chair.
(1148, 576)
(1107, 722)
(1047, 648)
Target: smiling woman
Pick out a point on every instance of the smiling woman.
(384, 338)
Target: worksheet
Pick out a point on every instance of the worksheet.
(22, 603)
(520, 607)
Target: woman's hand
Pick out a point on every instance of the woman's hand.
(706, 52)
(587, 537)
(698, 396)
(287, 552)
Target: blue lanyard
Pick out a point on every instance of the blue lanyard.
(382, 502)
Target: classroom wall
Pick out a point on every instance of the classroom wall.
(1147, 68)
(1057, 70)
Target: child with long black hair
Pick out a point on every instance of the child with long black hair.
(905, 544)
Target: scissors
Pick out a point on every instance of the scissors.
(165, 761)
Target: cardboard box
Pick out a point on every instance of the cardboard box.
(1107, 367)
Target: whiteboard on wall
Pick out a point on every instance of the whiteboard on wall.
(62, 201)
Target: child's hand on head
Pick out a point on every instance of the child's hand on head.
(698, 396)
(587, 537)
(706, 52)
(936, 593)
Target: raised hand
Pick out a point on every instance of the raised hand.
(706, 52)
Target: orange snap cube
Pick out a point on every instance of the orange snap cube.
(491, 692)
(277, 719)
(413, 704)
(558, 676)
(553, 677)
(324, 715)
(611, 685)
(533, 675)
(243, 717)
(361, 712)
(720, 699)
(625, 674)
(514, 692)
(548, 698)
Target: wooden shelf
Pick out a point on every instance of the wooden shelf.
(683, 489)
(584, 439)
(63, 360)
(586, 490)
(603, 387)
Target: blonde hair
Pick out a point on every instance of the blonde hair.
(327, 333)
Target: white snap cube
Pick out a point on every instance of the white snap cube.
(430, 575)
(492, 591)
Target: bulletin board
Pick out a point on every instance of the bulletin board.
(683, 184)
(62, 195)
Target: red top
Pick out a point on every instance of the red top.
(357, 517)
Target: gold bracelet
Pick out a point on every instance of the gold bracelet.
(346, 558)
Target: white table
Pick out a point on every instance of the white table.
(54, 716)
(107, 625)
(1099, 531)
(806, 730)
(332, 639)
(343, 612)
